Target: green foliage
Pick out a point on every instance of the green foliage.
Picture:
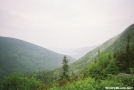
(62, 82)
(132, 71)
(65, 67)
(20, 56)
(20, 82)
(105, 65)
(97, 70)
(109, 83)
(125, 57)
(92, 84)
(87, 84)
(112, 45)
(128, 80)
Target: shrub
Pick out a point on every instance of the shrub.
(19, 82)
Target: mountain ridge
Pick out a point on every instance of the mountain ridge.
(21, 56)
(111, 45)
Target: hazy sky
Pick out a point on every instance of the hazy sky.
(65, 23)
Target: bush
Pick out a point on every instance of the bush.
(86, 84)
(104, 66)
(19, 82)
(132, 70)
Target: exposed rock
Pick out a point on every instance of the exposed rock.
(124, 75)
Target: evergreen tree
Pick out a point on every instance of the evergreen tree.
(98, 53)
(124, 57)
(65, 67)
(133, 45)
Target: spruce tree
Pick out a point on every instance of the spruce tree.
(128, 53)
(65, 67)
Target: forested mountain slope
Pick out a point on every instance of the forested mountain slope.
(112, 45)
(109, 66)
(21, 56)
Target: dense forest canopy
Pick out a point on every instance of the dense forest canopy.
(23, 57)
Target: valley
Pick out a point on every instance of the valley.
(97, 70)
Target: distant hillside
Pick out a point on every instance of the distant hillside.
(76, 53)
(21, 56)
(80, 52)
(112, 45)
